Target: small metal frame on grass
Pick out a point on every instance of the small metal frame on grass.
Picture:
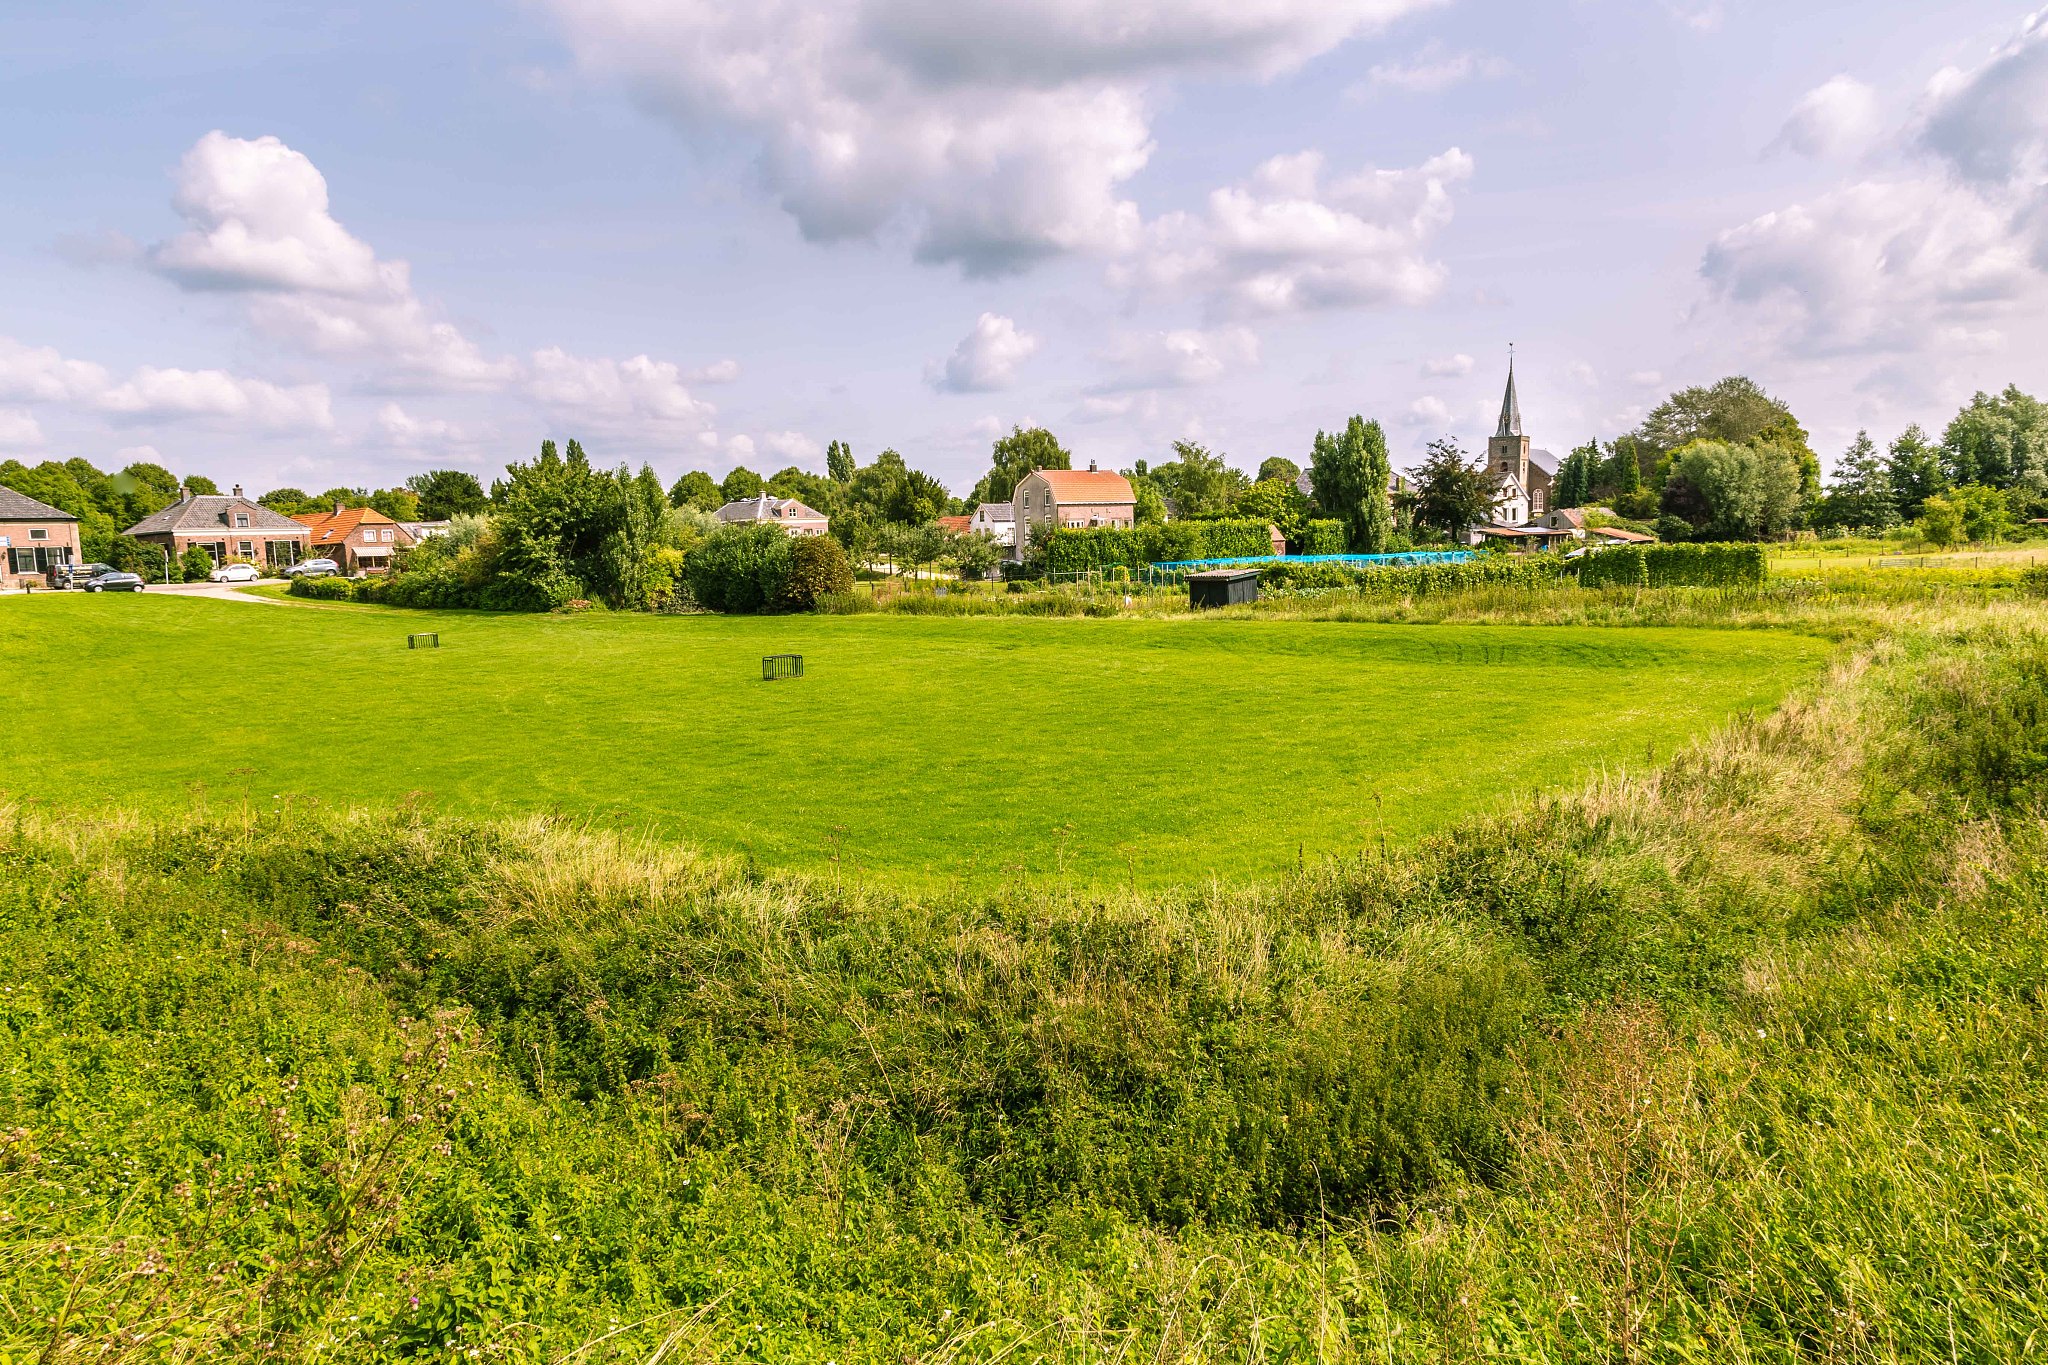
(775, 666)
(432, 638)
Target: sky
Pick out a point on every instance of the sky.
(309, 245)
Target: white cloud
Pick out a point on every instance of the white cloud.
(986, 359)
(1448, 367)
(38, 374)
(128, 455)
(19, 431)
(1944, 247)
(151, 394)
(1289, 241)
(1697, 17)
(1838, 118)
(1428, 411)
(1434, 69)
(260, 224)
(992, 132)
(792, 446)
(635, 392)
(1174, 360)
(717, 372)
(1648, 379)
(402, 428)
(1583, 373)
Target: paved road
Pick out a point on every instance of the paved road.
(224, 592)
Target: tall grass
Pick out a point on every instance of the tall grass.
(1732, 1058)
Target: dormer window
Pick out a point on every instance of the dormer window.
(241, 521)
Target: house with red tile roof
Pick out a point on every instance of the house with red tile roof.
(359, 539)
(1046, 498)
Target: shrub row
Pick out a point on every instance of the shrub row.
(1323, 538)
(1675, 566)
(323, 589)
(1077, 550)
(1418, 580)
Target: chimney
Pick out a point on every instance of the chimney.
(238, 490)
(1091, 466)
(337, 509)
(184, 493)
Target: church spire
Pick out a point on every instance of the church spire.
(1510, 406)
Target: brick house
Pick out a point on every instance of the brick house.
(34, 537)
(1046, 498)
(359, 539)
(227, 526)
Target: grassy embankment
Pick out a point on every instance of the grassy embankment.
(931, 752)
(1733, 1059)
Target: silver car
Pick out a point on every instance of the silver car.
(114, 581)
(313, 568)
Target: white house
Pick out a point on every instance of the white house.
(791, 515)
(998, 519)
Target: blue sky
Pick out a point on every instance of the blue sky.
(290, 244)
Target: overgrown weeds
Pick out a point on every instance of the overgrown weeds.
(1732, 1059)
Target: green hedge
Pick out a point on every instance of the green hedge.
(1674, 566)
(1323, 538)
(1419, 580)
(323, 589)
(1075, 550)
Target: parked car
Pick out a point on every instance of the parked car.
(113, 580)
(313, 568)
(73, 575)
(235, 573)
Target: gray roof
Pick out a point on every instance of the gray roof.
(1510, 407)
(767, 507)
(997, 511)
(1543, 460)
(21, 507)
(209, 512)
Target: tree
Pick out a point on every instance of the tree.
(974, 555)
(287, 501)
(1735, 411)
(1575, 475)
(816, 491)
(817, 568)
(1941, 521)
(1277, 467)
(1278, 502)
(1015, 456)
(1351, 474)
(1986, 511)
(1452, 491)
(1198, 483)
(916, 499)
(200, 485)
(1914, 471)
(696, 489)
(741, 484)
(839, 464)
(142, 488)
(1861, 495)
(399, 504)
(1750, 492)
(195, 564)
(445, 493)
(1149, 504)
(1997, 441)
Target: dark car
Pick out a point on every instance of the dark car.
(73, 575)
(113, 580)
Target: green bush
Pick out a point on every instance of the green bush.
(2034, 580)
(1323, 538)
(1417, 580)
(742, 569)
(323, 589)
(1067, 550)
(818, 568)
(195, 564)
(1738, 565)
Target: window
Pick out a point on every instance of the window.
(241, 521)
(38, 533)
(246, 549)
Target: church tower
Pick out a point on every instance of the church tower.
(1508, 452)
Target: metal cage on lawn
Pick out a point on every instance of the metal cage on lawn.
(778, 666)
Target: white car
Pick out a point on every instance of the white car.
(234, 573)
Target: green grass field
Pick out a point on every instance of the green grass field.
(925, 750)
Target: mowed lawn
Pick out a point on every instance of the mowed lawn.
(924, 749)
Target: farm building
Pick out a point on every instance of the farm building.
(227, 526)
